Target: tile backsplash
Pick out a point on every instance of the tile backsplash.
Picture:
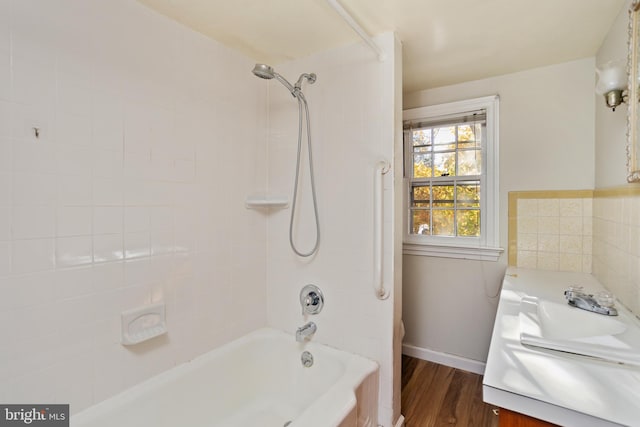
(551, 230)
(616, 243)
(586, 231)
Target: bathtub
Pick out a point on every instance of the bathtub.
(257, 380)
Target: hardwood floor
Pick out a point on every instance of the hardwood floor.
(435, 395)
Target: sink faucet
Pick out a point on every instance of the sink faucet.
(305, 331)
(601, 303)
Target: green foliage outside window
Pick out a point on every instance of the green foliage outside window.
(447, 163)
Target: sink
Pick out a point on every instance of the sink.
(556, 326)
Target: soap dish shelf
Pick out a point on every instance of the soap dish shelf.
(263, 202)
(142, 324)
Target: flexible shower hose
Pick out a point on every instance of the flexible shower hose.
(300, 97)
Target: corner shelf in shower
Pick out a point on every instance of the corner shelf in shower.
(263, 202)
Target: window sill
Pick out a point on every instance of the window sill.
(446, 251)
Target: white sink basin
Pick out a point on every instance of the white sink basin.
(556, 326)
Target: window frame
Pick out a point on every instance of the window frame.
(486, 246)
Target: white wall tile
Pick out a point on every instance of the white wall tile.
(108, 247)
(30, 222)
(34, 156)
(74, 221)
(5, 258)
(107, 220)
(6, 155)
(34, 189)
(137, 245)
(33, 80)
(5, 222)
(6, 189)
(74, 161)
(73, 130)
(107, 163)
(72, 191)
(108, 192)
(115, 158)
(33, 255)
(73, 251)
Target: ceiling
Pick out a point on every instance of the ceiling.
(444, 41)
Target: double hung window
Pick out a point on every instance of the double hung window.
(451, 179)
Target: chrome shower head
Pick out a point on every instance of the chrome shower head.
(263, 71)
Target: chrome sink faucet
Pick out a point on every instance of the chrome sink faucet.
(601, 303)
(305, 331)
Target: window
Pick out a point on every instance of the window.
(451, 195)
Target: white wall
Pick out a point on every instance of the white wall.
(353, 108)
(125, 198)
(546, 143)
(611, 126)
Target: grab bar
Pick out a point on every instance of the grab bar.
(382, 167)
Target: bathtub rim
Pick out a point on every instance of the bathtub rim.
(339, 399)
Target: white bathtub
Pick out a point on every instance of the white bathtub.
(257, 380)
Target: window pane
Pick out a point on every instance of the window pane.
(468, 195)
(422, 166)
(421, 137)
(443, 223)
(444, 164)
(470, 136)
(466, 133)
(469, 162)
(445, 137)
(420, 222)
(468, 223)
(443, 196)
(420, 194)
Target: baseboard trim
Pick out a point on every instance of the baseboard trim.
(451, 360)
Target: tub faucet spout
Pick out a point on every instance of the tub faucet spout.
(305, 331)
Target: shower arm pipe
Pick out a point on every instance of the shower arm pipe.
(381, 169)
(346, 16)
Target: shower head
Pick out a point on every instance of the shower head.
(264, 71)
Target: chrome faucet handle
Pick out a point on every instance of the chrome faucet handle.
(311, 300)
(573, 291)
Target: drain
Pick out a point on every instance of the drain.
(287, 423)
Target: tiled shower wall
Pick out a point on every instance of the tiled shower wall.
(127, 147)
(352, 106)
(616, 243)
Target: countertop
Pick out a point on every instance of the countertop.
(561, 388)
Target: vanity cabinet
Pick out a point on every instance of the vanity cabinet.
(514, 419)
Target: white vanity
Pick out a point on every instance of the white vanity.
(556, 386)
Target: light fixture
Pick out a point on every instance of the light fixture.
(612, 82)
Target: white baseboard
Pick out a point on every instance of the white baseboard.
(400, 422)
(454, 361)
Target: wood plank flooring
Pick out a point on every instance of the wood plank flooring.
(436, 395)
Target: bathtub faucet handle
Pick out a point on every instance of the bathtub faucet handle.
(311, 300)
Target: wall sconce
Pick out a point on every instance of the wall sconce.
(612, 82)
